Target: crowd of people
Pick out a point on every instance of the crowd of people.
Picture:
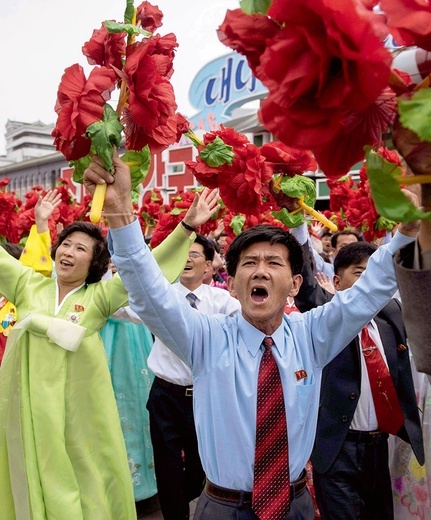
(271, 378)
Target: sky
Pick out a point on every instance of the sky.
(40, 38)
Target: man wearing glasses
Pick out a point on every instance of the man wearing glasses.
(179, 473)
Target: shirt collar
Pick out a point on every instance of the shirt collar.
(198, 292)
(253, 337)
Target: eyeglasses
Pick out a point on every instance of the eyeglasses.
(195, 254)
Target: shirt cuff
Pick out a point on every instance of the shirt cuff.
(300, 233)
(399, 240)
(126, 240)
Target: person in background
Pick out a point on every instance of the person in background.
(327, 249)
(128, 343)
(180, 477)
(36, 254)
(350, 456)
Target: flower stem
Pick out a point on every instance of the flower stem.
(414, 179)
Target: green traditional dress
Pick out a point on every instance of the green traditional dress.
(62, 452)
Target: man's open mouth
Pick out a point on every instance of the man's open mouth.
(259, 294)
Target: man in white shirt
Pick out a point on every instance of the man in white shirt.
(179, 473)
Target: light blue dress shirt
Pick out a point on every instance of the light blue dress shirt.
(224, 353)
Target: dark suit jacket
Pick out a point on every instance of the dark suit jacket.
(415, 289)
(341, 380)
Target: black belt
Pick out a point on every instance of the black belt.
(245, 497)
(178, 389)
(375, 437)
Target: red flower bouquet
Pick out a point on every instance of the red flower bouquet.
(331, 87)
(253, 180)
(129, 57)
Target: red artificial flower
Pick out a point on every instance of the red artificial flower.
(149, 16)
(164, 227)
(281, 158)
(209, 176)
(79, 104)
(228, 135)
(323, 60)
(409, 21)
(150, 118)
(105, 48)
(183, 126)
(206, 175)
(244, 183)
(336, 218)
(378, 20)
(247, 34)
(360, 128)
(340, 193)
(4, 182)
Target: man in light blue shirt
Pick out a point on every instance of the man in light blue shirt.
(224, 352)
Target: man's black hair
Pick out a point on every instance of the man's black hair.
(339, 233)
(353, 254)
(264, 233)
(207, 246)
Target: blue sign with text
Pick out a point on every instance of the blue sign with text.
(223, 85)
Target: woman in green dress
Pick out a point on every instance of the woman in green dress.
(62, 452)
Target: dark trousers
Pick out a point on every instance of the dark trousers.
(358, 484)
(208, 508)
(179, 473)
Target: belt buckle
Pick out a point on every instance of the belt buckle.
(189, 392)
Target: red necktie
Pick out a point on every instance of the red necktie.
(390, 417)
(271, 489)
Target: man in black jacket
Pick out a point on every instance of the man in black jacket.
(350, 455)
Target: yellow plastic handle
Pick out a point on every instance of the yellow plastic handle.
(318, 216)
(97, 203)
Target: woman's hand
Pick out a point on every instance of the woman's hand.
(203, 207)
(44, 208)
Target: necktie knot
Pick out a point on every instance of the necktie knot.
(268, 342)
(191, 298)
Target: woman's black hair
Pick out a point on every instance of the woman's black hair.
(100, 260)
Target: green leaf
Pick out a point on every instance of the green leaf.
(79, 167)
(129, 11)
(385, 223)
(104, 134)
(135, 194)
(139, 164)
(130, 29)
(237, 224)
(388, 198)
(289, 220)
(176, 211)
(255, 6)
(298, 186)
(415, 113)
(217, 153)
